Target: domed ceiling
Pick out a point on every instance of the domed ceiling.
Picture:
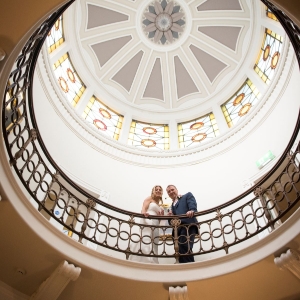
(166, 55)
(164, 75)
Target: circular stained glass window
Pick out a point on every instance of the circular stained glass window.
(149, 130)
(199, 137)
(63, 84)
(245, 109)
(266, 52)
(275, 60)
(238, 99)
(148, 143)
(105, 113)
(100, 125)
(57, 24)
(71, 75)
(196, 125)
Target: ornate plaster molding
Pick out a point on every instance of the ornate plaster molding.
(172, 158)
(290, 260)
(52, 287)
(178, 293)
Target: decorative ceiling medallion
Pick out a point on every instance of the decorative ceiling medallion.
(238, 99)
(57, 24)
(149, 130)
(196, 125)
(104, 113)
(199, 137)
(275, 60)
(63, 84)
(100, 125)
(245, 109)
(71, 75)
(148, 143)
(266, 52)
(164, 22)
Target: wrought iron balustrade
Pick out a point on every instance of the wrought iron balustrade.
(90, 220)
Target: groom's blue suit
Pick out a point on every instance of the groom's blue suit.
(184, 204)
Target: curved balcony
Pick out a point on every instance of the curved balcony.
(268, 208)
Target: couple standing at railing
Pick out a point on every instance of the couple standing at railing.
(181, 204)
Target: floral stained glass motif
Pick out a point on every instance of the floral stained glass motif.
(193, 132)
(103, 118)
(151, 136)
(270, 14)
(240, 103)
(269, 56)
(68, 79)
(55, 35)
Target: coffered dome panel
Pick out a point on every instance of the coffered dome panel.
(108, 16)
(106, 50)
(167, 55)
(219, 5)
(226, 35)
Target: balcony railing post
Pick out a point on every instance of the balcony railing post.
(258, 192)
(32, 137)
(90, 204)
(175, 223)
(131, 222)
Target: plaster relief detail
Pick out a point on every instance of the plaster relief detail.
(290, 260)
(178, 293)
(53, 286)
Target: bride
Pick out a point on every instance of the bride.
(149, 237)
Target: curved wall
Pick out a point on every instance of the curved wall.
(212, 180)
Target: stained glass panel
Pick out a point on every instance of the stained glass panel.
(270, 14)
(240, 103)
(195, 131)
(151, 136)
(269, 55)
(68, 79)
(55, 35)
(103, 118)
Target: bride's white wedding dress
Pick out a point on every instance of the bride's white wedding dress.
(146, 234)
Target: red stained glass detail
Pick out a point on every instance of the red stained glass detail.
(245, 109)
(238, 99)
(100, 125)
(105, 113)
(57, 24)
(63, 84)
(149, 130)
(196, 125)
(148, 143)
(275, 60)
(266, 52)
(199, 137)
(71, 75)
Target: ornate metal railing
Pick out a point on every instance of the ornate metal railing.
(90, 220)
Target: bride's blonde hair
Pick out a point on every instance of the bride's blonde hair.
(152, 194)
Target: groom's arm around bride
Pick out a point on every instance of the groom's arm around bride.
(185, 204)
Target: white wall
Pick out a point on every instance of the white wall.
(212, 182)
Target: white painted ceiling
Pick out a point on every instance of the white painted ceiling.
(112, 52)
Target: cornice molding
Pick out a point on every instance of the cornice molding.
(289, 260)
(178, 293)
(53, 286)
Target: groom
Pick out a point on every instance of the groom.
(187, 205)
